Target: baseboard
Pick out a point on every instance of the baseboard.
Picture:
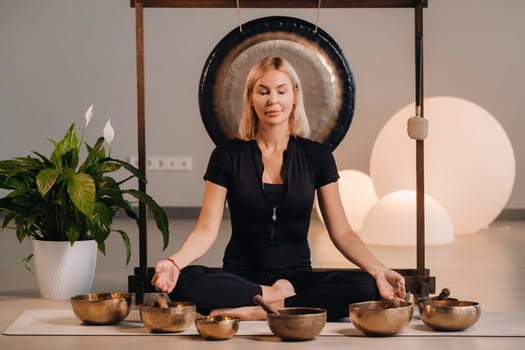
(511, 214)
(193, 213)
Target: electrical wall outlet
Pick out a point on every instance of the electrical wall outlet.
(174, 163)
(164, 163)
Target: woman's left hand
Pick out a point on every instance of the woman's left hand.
(391, 284)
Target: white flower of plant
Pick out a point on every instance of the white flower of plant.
(109, 133)
(89, 115)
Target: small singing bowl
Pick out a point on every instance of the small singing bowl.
(101, 308)
(381, 318)
(219, 327)
(178, 316)
(421, 300)
(297, 323)
(450, 315)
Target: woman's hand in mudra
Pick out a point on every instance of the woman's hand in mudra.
(391, 284)
(166, 276)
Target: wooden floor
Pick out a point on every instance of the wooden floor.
(488, 267)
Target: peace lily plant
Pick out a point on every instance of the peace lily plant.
(61, 198)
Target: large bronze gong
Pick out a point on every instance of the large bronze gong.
(328, 83)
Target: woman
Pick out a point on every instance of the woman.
(269, 175)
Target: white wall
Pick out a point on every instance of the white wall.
(59, 56)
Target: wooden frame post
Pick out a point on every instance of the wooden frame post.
(139, 283)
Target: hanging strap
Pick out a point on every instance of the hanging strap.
(318, 13)
(239, 16)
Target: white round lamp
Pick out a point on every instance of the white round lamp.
(392, 221)
(469, 161)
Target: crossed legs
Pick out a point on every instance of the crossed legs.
(218, 292)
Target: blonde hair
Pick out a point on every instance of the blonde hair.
(298, 124)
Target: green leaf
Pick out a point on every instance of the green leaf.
(108, 167)
(99, 223)
(23, 199)
(7, 166)
(136, 172)
(81, 188)
(27, 261)
(95, 153)
(102, 247)
(44, 159)
(46, 179)
(10, 183)
(118, 203)
(107, 186)
(159, 214)
(18, 171)
(68, 144)
(22, 231)
(7, 219)
(127, 245)
(73, 233)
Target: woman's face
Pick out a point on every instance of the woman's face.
(273, 97)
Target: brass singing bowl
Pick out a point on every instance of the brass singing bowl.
(219, 327)
(101, 308)
(176, 317)
(381, 317)
(297, 323)
(421, 300)
(450, 315)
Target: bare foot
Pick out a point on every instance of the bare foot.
(274, 294)
(245, 313)
(280, 290)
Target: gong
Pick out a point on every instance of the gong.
(325, 74)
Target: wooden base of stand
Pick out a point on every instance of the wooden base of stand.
(421, 285)
(140, 283)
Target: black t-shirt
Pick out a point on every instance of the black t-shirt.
(267, 237)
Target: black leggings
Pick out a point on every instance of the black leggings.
(211, 288)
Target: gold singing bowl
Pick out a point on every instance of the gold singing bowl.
(422, 300)
(218, 327)
(444, 295)
(297, 323)
(175, 317)
(381, 317)
(101, 308)
(450, 315)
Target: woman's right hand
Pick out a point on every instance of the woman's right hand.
(166, 276)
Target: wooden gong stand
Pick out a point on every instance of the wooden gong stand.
(418, 280)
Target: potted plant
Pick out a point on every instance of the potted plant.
(63, 199)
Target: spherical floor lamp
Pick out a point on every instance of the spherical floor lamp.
(392, 221)
(469, 161)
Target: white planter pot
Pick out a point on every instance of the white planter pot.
(63, 270)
